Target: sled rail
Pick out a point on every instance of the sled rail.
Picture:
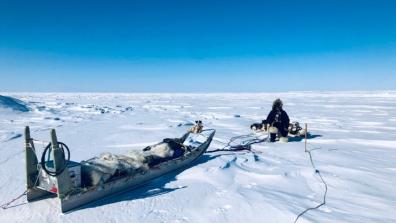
(71, 197)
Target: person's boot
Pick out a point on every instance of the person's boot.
(272, 137)
(273, 132)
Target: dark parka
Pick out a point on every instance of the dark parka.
(278, 118)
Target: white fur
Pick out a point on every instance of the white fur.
(273, 129)
(284, 139)
(101, 169)
(302, 132)
(161, 150)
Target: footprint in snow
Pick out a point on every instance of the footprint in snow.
(224, 208)
(221, 193)
(250, 185)
(183, 219)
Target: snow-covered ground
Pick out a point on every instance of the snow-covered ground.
(354, 147)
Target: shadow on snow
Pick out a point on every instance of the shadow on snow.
(152, 188)
(299, 139)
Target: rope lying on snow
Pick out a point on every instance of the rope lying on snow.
(324, 183)
(244, 146)
(8, 204)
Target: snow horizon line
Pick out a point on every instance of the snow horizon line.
(200, 92)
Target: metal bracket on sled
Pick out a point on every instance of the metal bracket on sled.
(62, 181)
(32, 173)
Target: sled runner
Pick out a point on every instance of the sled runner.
(79, 183)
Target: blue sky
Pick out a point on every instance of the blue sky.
(197, 46)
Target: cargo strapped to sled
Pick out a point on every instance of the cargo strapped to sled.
(67, 181)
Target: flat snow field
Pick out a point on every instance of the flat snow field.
(353, 145)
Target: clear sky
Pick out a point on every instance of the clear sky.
(197, 46)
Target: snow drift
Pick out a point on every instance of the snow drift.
(7, 102)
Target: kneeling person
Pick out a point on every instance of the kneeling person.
(278, 121)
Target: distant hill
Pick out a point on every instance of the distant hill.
(13, 104)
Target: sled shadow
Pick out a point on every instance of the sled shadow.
(299, 139)
(153, 188)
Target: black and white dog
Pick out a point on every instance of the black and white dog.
(259, 126)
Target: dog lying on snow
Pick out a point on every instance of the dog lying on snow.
(263, 126)
(295, 130)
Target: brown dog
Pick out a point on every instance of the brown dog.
(197, 128)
